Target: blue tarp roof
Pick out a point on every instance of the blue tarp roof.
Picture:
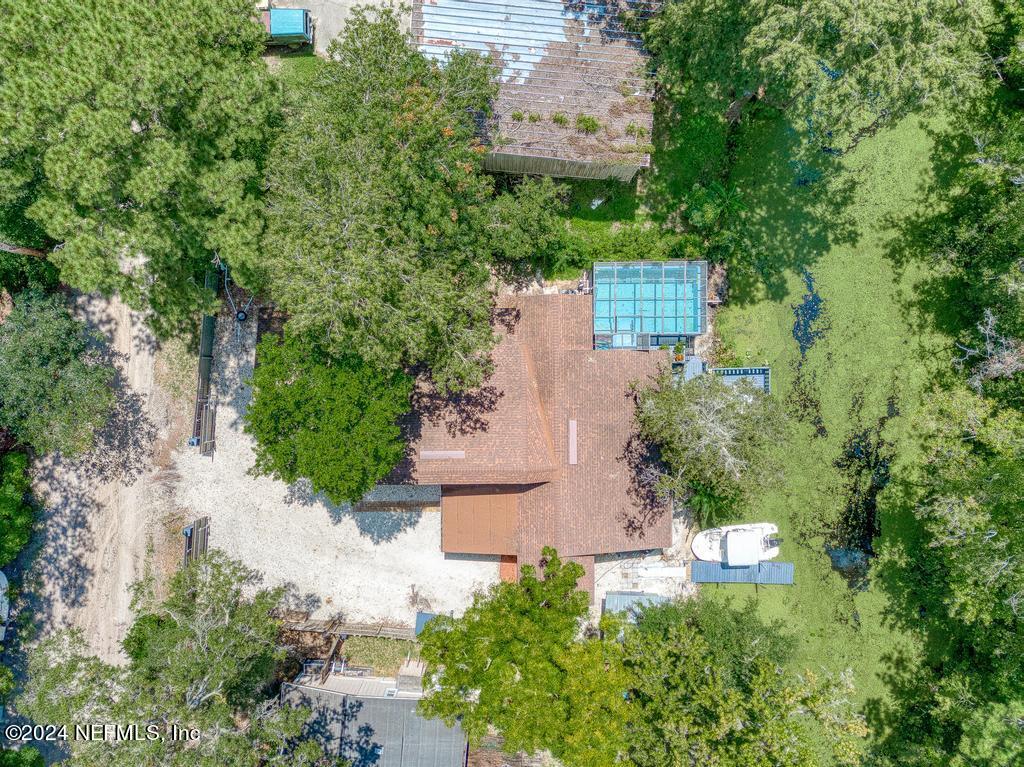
(287, 21)
(763, 574)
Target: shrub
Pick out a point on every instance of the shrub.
(587, 124)
(636, 131)
(518, 116)
(16, 514)
(560, 118)
(331, 420)
(535, 117)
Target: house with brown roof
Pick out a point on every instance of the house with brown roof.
(545, 453)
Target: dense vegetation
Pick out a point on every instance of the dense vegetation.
(55, 385)
(377, 176)
(331, 420)
(136, 145)
(691, 683)
(712, 439)
(16, 514)
(201, 659)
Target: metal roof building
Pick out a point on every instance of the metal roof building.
(574, 97)
(761, 378)
(374, 731)
(631, 602)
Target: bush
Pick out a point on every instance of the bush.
(713, 439)
(587, 124)
(55, 385)
(16, 514)
(560, 118)
(517, 116)
(636, 131)
(331, 420)
(535, 117)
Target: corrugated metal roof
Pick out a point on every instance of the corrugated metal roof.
(630, 601)
(574, 58)
(759, 377)
(378, 732)
(763, 574)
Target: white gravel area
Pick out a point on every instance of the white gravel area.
(661, 572)
(364, 566)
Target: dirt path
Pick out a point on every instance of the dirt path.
(100, 510)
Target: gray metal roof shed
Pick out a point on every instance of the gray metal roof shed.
(377, 732)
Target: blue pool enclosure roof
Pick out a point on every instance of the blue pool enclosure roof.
(288, 25)
(762, 574)
(759, 377)
(648, 304)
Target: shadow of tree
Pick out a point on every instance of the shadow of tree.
(795, 208)
(649, 506)
(380, 526)
(123, 447)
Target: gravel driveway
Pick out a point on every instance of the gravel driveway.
(364, 566)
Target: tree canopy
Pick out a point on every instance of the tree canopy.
(55, 385)
(200, 659)
(691, 683)
(331, 420)
(382, 229)
(711, 438)
(512, 661)
(837, 68)
(16, 514)
(134, 138)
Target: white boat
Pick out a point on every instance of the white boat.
(5, 607)
(737, 545)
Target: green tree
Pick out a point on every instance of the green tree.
(16, 515)
(839, 68)
(699, 702)
(330, 420)
(383, 232)
(136, 143)
(712, 438)
(23, 757)
(54, 383)
(529, 228)
(972, 491)
(512, 661)
(203, 658)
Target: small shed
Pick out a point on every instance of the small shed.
(288, 26)
(630, 602)
(369, 730)
(761, 378)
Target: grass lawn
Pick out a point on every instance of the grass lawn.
(384, 655)
(293, 67)
(855, 391)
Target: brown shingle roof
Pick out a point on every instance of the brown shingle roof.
(547, 375)
(480, 520)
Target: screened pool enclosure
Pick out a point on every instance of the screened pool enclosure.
(647, 304)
